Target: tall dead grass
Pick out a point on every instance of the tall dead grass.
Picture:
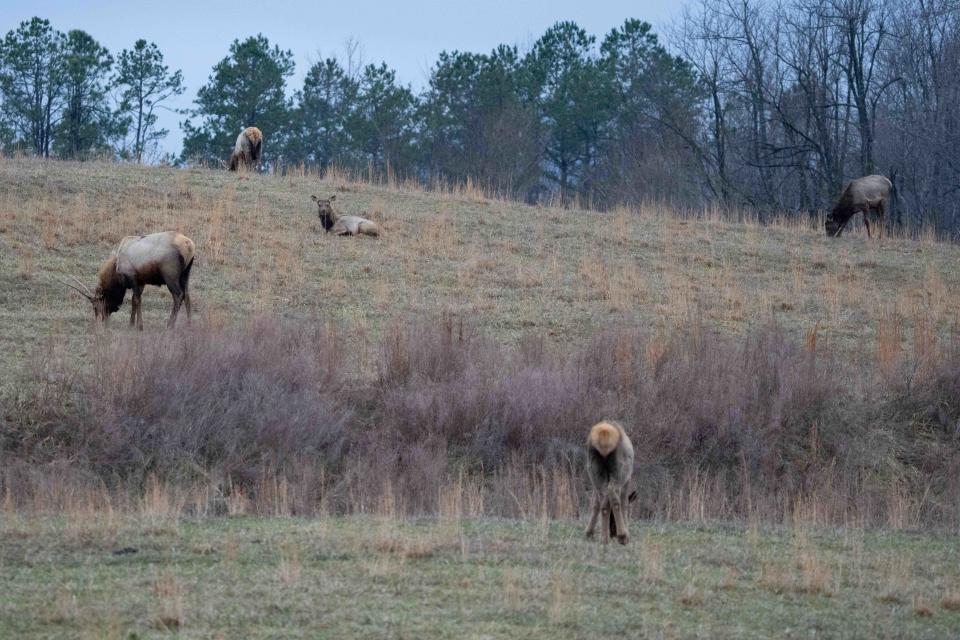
(275, 416)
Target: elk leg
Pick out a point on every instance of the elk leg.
(135, 304)
(136, 307)
(605, 520)
(592, 527)
(880, 215)
(866, 221)
(626, 497)
(616, 505)
(185, 287)
(177, 293)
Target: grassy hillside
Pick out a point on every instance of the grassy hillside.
(149, 574)
(509, 268)
(451, 368)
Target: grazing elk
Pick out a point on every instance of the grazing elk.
(860, 196)
(343, 225)
(610, 466)
(163, 258)
(246, 152)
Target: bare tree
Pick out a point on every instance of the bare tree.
(701, 38)
(864, 29)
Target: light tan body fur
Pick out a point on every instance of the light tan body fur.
(163, 258)
(246, 151)
(860, 196)
(610, 466)
(343, 225)
(354, 225)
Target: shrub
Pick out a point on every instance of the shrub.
(756, 426)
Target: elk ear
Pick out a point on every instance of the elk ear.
(333, 197)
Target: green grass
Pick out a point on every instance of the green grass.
(369, 577)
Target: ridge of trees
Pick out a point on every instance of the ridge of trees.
(769, 106)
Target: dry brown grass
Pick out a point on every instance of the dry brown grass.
(169, 596)
(512, 268)
(290, 565)
(951, 601)
(522, 276)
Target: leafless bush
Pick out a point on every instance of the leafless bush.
(764, 426)
(191, 402)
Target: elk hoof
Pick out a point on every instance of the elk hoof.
(623, 539)
(590, 534)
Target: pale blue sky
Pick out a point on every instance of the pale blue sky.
(406, 34)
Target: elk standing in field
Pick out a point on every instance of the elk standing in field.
(246, 152)
(163, 258)
(860, 196)
(343, 225)
(610, 466)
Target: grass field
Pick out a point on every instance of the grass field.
(86, 575)
(768, 375)
(510, 268)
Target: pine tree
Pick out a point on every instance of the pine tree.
(88, 124)
(382, 125)
(247, 88)
(574, 93)
(31, 82)
(324, 108)
(145, 83)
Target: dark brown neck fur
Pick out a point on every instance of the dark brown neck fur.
(110, 285)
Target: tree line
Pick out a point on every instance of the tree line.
(65, 95)
(757, 105)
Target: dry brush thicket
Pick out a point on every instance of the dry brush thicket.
(761, 371)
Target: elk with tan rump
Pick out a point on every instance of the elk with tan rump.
(246, 151)
(343, 225)
(159, 259)
(860, 196)
(610, 466)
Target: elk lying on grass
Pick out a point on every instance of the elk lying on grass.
(610, 466)
(246, 152)
(860, 196)
(163, 258)
(343, 225)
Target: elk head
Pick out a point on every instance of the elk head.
(832, 225)
(325, 211)
(97, 299)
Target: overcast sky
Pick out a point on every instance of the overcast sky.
(407, 34)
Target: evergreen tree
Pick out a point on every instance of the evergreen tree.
(381, 128)
(247, 88)
(31, 82)
(88, 124)
(145, 83)
(574, 92)
(656, 97)
(478, 124)
(324, 109)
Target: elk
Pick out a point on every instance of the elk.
(610, 466)
(343, 225)
(163, 258)
(859, 196)
(246, 152)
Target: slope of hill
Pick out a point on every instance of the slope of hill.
(765, 370)
(511, 269)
